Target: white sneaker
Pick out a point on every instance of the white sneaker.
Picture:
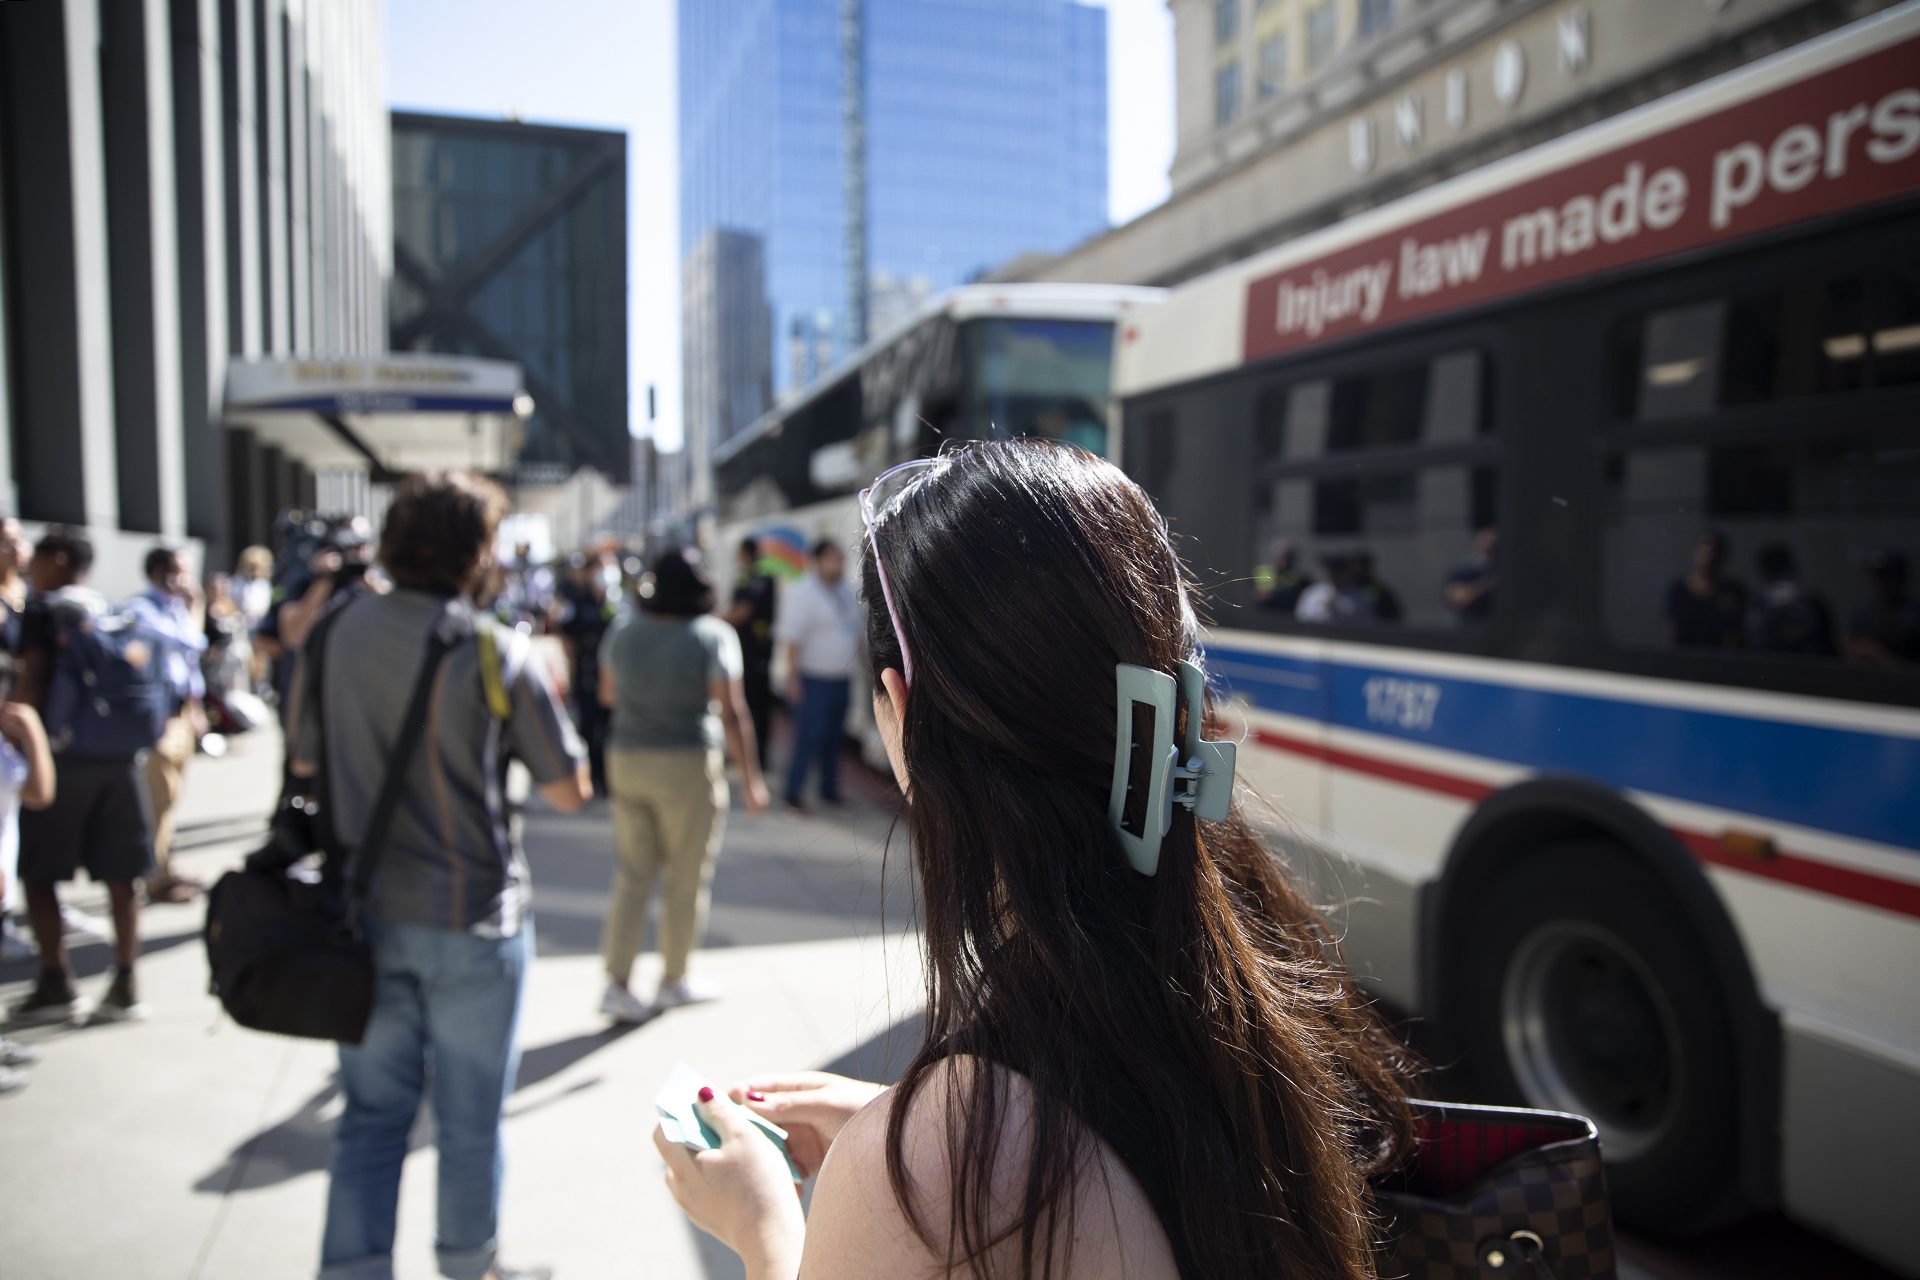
(15, 1054)
(681, 991)
(79, 924)
(622, 1005)
(12, 1081)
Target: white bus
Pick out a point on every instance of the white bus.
(1562, 524)
(977, 362)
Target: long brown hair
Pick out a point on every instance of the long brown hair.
(1210, 993)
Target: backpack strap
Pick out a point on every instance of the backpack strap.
(411, 728)
(493, 670)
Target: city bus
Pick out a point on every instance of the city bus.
(1560, 525)
(976, 362)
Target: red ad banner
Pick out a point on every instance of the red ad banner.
(1838, 140)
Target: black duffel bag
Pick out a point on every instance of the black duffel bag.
(286, 954)
(285, 959)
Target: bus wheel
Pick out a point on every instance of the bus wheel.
(1582, 989)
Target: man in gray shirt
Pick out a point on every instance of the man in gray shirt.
(447, 914)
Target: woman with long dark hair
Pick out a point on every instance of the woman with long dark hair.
(1124, 1074)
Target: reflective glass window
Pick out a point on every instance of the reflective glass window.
(1273, 65)
(1226, 94)
(1226, 20)
(1323, 32)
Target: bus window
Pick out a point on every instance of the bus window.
(1040, 377)
(1412, 546)
(1435, 401)
(1804, 337)
(1803, 549)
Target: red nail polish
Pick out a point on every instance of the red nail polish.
(754, 1095)
(706, 1094)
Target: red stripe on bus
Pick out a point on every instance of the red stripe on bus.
(1864, 887)
(1426, 779)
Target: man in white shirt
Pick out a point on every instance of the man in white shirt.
(819, 630)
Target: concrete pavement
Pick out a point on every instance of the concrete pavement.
(186, 1148)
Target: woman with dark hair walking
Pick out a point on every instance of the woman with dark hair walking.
(1142, 1056)
(672, 675)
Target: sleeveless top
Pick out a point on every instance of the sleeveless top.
(1117, 1115)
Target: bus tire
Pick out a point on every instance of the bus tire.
(1584, 988)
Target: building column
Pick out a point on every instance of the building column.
(276, 333)
(50, 78)
(137, 106)
(240, 149)
(200, 191)
(299, 242)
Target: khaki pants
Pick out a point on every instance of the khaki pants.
(166, 773)
(669, 814)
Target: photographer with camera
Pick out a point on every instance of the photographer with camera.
(336, 571)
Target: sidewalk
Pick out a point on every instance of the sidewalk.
(185, 1148)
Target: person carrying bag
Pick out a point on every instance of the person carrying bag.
(288, 955)
(419, 704)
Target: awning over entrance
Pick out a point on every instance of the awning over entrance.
(386, 414)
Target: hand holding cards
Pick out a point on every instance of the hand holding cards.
(681, 1123)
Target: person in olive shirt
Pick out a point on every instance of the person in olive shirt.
(671, 674)
(752, 614)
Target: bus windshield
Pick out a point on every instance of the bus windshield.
(1040, 377)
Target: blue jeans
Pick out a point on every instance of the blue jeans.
(449, 1001)
(819, 725)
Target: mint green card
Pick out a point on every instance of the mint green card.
(681, 1121)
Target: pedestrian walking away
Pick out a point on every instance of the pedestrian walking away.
(1029, 625)
(99, 706)
(820, 629)
(448, 910)
(755, 601)
(672, 675)
(587, 611)
(751, 613)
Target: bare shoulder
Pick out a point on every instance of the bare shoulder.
(858, 1228)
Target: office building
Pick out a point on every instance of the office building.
(510, 242)
(1294, 114)
(726, 331)
(877, 151)
(184, 186)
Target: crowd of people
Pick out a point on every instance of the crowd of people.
(1002, 588)
(103, 707)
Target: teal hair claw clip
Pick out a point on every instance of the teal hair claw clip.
(1150, 775)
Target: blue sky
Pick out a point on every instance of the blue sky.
(610, 63)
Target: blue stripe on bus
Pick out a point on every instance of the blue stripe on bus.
(1854, 783)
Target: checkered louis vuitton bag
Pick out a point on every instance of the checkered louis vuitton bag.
(1493, 1192)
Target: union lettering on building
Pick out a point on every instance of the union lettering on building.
(1295, 114)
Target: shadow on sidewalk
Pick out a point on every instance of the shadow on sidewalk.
(190, 837)
(90, 957)
(296, 1145)
(301, 1143)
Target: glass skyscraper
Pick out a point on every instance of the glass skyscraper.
(509, 241)
(878, 151)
